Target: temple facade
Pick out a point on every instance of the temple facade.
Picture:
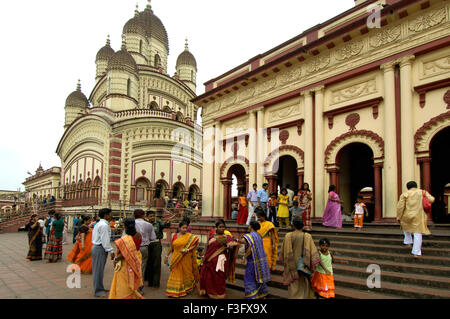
(361, 101)
(135, 139)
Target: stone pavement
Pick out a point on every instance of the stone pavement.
(24, 279)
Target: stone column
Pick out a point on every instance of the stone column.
(407, 135)
(272, 179)
(300, 176)
(377, 191)
(334, 178)
(426, 179)
(308, 136)
(208, 170)
(260, 148)
(252, 148)
(390, 150)
(218, 206)
(319, 151)
(227, 197)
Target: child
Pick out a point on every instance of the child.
(323, 281)
(358, 212)
(199, 258)
(273, 209)
(296, 211)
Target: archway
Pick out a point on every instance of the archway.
(178, 189)
(287, 173)
(355, 162)
(440, 174)
(236, 171)
(194, 192)
(161, 189)
(142, 190)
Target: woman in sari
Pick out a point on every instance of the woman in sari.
(296, 245)
(304, 198)
(257, 271)
(127, 264)
(269, 236)
(34, 238)
(332, 217)
(53, 251)
(242, 210)
(183, 265)
(81, 252)
(219, 263)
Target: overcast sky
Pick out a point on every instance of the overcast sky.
(48, 45)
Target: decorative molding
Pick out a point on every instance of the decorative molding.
(373, 140)
(373, 103)
(428, 20)
(284, 113)
(436, 67)
(426, 131)
(423, 89)
(349, 50)
(446, 99)
(234, 160)
(354, 91)
(318, 63)
(385, 36)
(295, 151)
(284, 135)
(352, 120)
(297, 123)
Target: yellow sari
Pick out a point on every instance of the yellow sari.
(271, 250)
(183, 267)
(128, 278)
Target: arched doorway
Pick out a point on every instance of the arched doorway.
(178, 189)
(194, 192)
(161, 189)
(240, 185)
(142, 190)
(355, 162)
(287, 173)
(440, 175)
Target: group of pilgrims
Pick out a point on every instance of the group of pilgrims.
(207, 268)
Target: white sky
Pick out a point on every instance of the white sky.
(48, 45)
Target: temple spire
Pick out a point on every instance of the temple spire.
(79, 85)
(124, 44)
(136, 11)
(186, 46)
(149, 5)
(108, 41)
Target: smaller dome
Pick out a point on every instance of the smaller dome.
(186, 57)
(123, 61)
(134, 25)
(106, 52)
(77, 98)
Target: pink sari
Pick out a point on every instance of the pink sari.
(332, 217)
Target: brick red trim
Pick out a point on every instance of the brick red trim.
(426, 126)
(372, 135)
(423, 89)
(231, 160)
(398, 127)
(294, 148)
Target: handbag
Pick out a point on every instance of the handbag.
(426, 203)
(301, 265)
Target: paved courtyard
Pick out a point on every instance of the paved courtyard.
(23, 279)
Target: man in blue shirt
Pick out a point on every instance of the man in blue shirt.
(263, 198)
(252, 199)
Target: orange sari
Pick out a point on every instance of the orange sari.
(184, 274)
(271, 250)
(128, 278)
(82, 257)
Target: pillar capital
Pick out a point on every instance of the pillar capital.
(252, 112)
(307, 93)
(426, 159)
(406, 60)
(388, 66)
(318, 89)
(378, 165)
(259, 109)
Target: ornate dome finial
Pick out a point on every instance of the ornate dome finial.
(149, 5)
(79, 85)
(108, 41)
(136, 11)
(186, 46)
(124, 44)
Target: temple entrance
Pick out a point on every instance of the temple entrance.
(440, 175)
(234, 184)
(178, 190)
(356, 173)
(287, 173)
(160, 190)
(194, 191)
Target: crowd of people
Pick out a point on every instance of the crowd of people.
(308, 270)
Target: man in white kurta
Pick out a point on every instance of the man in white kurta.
(412, 217)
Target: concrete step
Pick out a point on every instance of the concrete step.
(278, 289)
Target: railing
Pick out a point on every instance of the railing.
(176, 215)
(80, 202)
(19, 213)
(142, 113)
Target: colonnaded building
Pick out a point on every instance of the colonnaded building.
(135, 138)
(360, 101)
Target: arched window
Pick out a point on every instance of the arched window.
(157, 60)
(153, 105)
(179, 117)
(129, 87)
(96, 188)
(87, 188)
(167, 109)
(109, 85)
(140, 46)
(192, 76)
(142, 190)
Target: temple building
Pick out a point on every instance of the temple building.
(361, 101)
(135, 139)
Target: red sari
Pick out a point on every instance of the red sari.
(243, 211)
(213, 282)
